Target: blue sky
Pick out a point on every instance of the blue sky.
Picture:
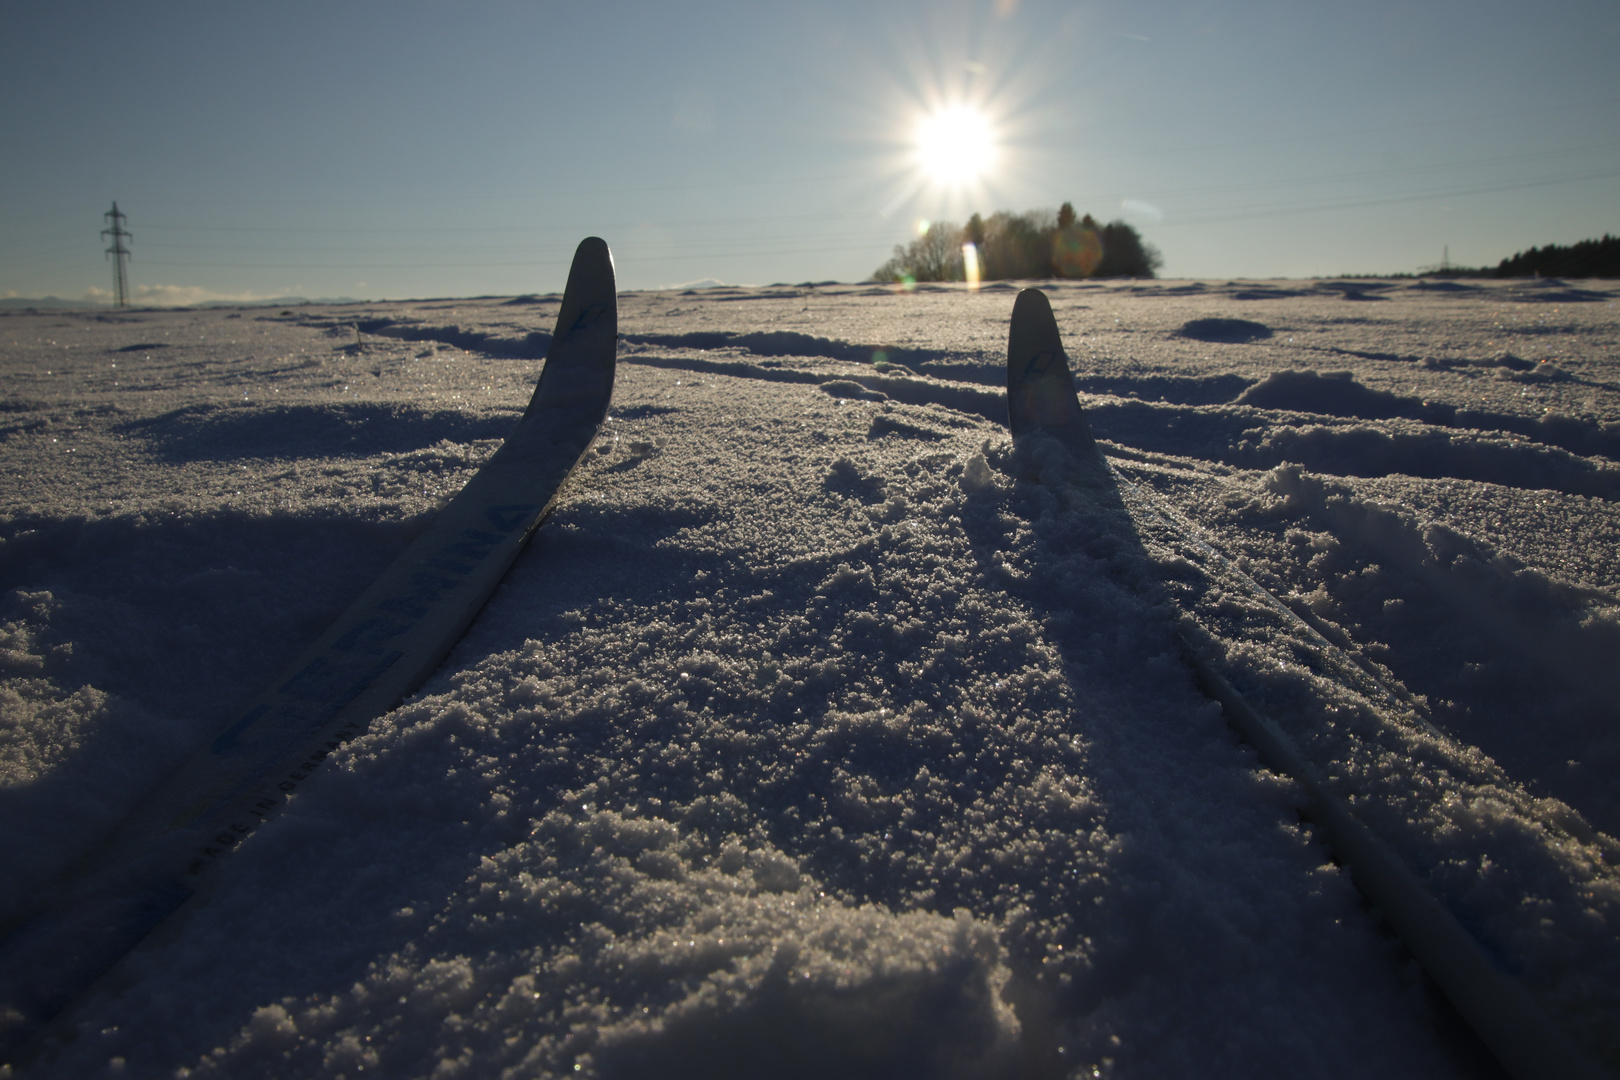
(392, 150)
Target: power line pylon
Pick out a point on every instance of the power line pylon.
(119, 253)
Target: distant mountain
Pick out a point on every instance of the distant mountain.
(56, 303)
(279, 301)
(45, 303)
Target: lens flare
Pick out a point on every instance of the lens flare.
(1076, 251)
(956, 145)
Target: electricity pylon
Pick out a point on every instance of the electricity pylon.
(119, 253)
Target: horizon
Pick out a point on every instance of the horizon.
(371, 154)
(104, 299)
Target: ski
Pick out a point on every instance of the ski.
(1040, 387)
(1042, 404)
(1048, 422)
(383, 647)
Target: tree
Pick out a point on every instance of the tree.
(936, 255)
(1586, 259)
(1016, 246)
(1077, 249)
(1124, 254)
(973, 232)
(1034, 244)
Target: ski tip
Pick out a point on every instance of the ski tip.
(1040, 387)
(593, 252)
(591, 275)
(590, 300)
(580, 360)
(1032, 305)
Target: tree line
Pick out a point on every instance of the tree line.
(1585, 259)
(1034, 244)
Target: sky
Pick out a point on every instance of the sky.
(407, 150)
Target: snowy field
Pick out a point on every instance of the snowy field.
(811, 737)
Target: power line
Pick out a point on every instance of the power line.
(1325, 205)
(626, 255)
(503, 229)
(742, 247)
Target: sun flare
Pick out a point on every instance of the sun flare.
(956, 145)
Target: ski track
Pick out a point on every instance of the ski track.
(810, 735)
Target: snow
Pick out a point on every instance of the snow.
(814, 734)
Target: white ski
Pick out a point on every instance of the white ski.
(1042, 403)
(387, 643)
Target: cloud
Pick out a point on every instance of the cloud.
(1138, 208)
(175, 296)
(701, 283)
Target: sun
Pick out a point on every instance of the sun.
(956, 145)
